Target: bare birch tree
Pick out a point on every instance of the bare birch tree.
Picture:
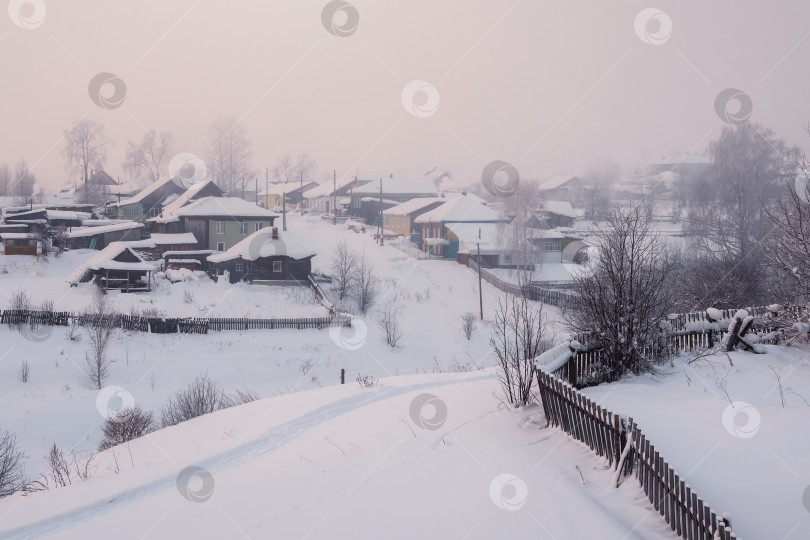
(146, 159)
(85, 148)
(100, 330)
(230, 155)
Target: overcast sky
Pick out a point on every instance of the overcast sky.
(545, 85)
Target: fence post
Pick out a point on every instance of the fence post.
(572, 370)
(342, 376)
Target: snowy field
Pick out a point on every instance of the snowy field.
(750, 459)
(348, 462)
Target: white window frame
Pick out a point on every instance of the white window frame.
(220, 246)
(220, 227)
(238, 267)
(277, 264)
(259, 225)
(243, 228)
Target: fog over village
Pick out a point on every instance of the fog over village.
(356, 269)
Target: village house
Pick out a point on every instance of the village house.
(19, 243)
(563, 188)
(291, 192)
(554, 214)
(148, 202)
(268, 256)
(367, 201)
(168, 220)
(220, 223)
(119, 267)
(459, 208)
(98, 234)
(325, 197)
(400, 219)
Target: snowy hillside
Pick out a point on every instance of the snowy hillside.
(347, 462)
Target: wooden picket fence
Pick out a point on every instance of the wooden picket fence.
(608, 435)
(167, 325)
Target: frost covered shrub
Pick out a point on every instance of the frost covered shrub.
(126, 425)
(12, 475)
(201, 397)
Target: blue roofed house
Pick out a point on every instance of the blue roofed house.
(367, 201)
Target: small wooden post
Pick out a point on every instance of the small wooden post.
(342, 376)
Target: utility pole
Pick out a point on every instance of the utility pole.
(266, 187)
(334, 197)
(480, 291)
(382, 230)
(283, 212)
(257, 190)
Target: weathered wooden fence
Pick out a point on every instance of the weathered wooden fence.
(167, 325)
(608, 435)
(532, 291)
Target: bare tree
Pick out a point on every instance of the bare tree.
(24, 372)
(24, 180)
(748, 164)
(289, 169)
(202, 396)
(145, 159)
(100, 329)
(519, 337)
(59, 467)
(344, 269)
(623, 301)
(468, 324)
(389, 324)
(230, 154)
(366, 284)
(5, 180)
(128, 424)
(12, 473)
(85, 148)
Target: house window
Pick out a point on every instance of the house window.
(551, 244)
(220, 227)
(259, 226)
(238, 267)
(276, 266)
(220, 246)
(243, 227)
(154, 212)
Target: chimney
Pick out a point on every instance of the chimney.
(275, 233)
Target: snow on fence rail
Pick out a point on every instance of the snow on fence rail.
(167, 325)
(629, 452)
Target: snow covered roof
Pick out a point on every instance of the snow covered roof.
(65, 214)
(80, 232)
(278, 189)
(555, 182)
(148, 190)
(460, 208)
(16, 235)
(162, 240)
(325, 189)
(224, 206)
(561, 208)
(400, 184)
(170, 209)
(467, 234)
(412, 206)
(680, 158)
(105, 260)
(377, 199)
(262, 244)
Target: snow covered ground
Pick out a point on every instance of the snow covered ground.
(749, 459)
(346, 461)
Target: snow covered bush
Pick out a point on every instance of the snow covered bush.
(519, 336)
(24, 372)
(366, 284)
(12, 474)
(128, 424)
(624, 299)
(202, 396)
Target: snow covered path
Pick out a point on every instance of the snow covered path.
(347, 461)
